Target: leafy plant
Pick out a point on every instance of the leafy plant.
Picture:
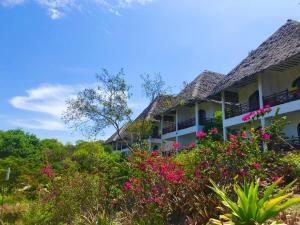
(249, 208)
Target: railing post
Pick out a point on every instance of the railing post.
(197, 116)
(223, 116)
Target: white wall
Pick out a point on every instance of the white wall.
(274, 81)
(185, 112)
(210, 108)
(294, 119)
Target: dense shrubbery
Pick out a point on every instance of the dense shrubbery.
(87, 184)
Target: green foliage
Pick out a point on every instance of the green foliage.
(250, 209)
(18, 143)
(141, 129)
(293, 159)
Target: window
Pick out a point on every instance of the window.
(296, 83)
(254, 101)
(202, 116)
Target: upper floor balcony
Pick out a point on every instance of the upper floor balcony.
(278, 98)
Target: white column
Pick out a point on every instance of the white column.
(261, 105)
(176, 123)
(261, 102)
(223, 115)
(197, 116)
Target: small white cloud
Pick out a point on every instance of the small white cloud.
(36, 124)
(11, 3)
(57, 8)
(49, 99)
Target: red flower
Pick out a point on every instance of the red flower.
(154, 154)
(256, 165)
(127, 186)
(214, 131)
(192, 145)
(48, 171)
(227, 151)
(200, 134)
(232, 137)
(176, 145)
(265, 136)
(244, 134)
(225, 173)
(275, 178)
(241, 173)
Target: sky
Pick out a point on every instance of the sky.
(51, 49)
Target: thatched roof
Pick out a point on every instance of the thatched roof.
(281, 46)
(158, 105)
(115, 137)
(199, 89)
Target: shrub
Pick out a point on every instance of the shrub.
(249, 208)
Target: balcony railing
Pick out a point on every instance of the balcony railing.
(235, 109)
(282, 97)
(170, 128)
(186, 123)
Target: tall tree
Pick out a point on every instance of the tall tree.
(105, 105)
(153, 85)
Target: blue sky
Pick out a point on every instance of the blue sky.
(50, 49)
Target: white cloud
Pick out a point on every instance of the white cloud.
(50, 125)
(58, 8)
(49, 99)
(11, 3)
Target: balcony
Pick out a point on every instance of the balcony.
(170, 128)
(282, 97)
(187, 123)
(236, 109)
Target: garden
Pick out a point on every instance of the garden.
(238, 181)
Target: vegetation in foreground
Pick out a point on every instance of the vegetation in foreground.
(210, 182)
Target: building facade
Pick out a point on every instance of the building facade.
(269, 75)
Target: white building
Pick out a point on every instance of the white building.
(190, 111)
(270, 75)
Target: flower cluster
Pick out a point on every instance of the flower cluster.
(48, 171)
(176, 146)
(257, 114)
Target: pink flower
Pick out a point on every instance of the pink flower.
(241, 173)
(176, 145)
(275, 178)
(138, 189)
(225, 173)
(227, 151)
(200, 134)
(127, 186)
(154, 154)
(260, 111)
(48, 171)
(246, 117)
(244, 134)
(265, 136)
(232, 137)
(267, 108)
(214, 131)
(192, 145)
(256, 165)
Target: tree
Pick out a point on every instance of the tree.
(153, 86)
(141, 128)
(18, 143)
(105, 105)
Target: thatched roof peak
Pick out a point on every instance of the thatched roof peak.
(282, 45)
